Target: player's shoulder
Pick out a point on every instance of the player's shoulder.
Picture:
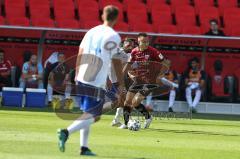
(135, 50)
(26, 64)
(152, 49)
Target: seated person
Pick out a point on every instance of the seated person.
(5, 71)
(31, 74)
(53, 58)
(194, 80)
(214, 29)
(171, 75)
(59, 78)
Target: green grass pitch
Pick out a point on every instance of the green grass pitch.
(32, 135)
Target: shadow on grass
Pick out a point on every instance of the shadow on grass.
(194, 132)
(112, 112)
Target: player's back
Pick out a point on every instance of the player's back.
(99, 44)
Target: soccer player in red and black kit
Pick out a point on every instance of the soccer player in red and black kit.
(144, 71)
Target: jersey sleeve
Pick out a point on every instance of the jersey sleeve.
(25, 68)
(157, 55)
(84, 41)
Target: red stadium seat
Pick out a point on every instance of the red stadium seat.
(161, 15)
(140, 13)
(203, 3)
(231, 17)
(43, 22)
(160, 18)
(39, 4)
(85, 4)
(64, 14)
(208, 13)
(18, 21)
(68, 23)
(15, 8)
(40, 12)
(103, 3)
(171, 29)
(2, 20)
(185, 15)
(121, 26)
(161, 8)
(192, 30)
(177, 3)
(142, 27)
(39, 8)
(127, 3)
(223, 4)
(235, 31)
(87, 24)
(90, 14)
(9, 3)
(64, 9)
(152, 3)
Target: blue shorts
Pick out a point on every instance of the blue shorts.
(91, 99)
(111, 93)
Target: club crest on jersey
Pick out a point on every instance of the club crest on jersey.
(110, 45)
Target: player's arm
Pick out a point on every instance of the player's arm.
(78, 62)
(25, 74)
(8, 72)
(175, 77)
(117, 62)
(186, 78)
(202, 80)
(39, 76)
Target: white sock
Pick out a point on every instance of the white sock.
(49, 92)
(80, 124)
(118, 114)
(84, 133)
(189, 96)
(68, 90)
(197, 98)
(172, 97)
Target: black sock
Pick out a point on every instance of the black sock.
(141, 108)
(126, 114)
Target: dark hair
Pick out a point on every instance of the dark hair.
(213, 21)
(27, 55)
(195, 59)
(142, 35)
(218, 65)
(191, 60)
(111, 12)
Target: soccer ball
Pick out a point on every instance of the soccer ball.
(134, 125)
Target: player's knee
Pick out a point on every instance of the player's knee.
(138, 98)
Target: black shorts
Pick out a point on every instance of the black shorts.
(144, 89)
